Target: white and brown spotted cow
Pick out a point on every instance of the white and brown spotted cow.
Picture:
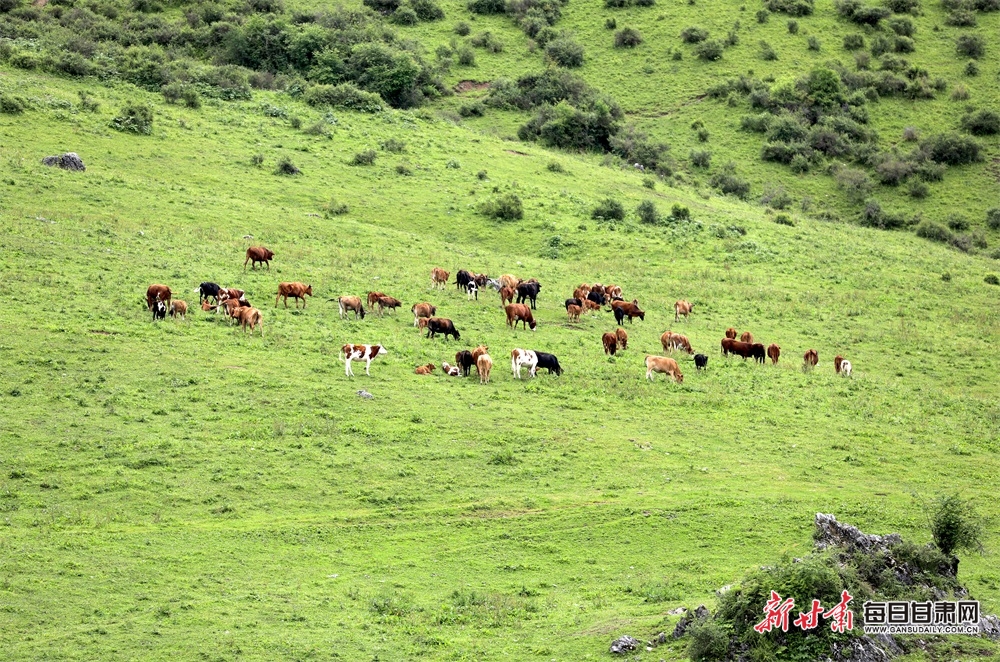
(366, 353)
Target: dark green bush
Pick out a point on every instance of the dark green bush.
(505, 207)
(955, 524)
(853, 42)
(993, 218)
(952, 149)
(855, 183)
(730, 183)
(609, 209)
(784, 219)
(466, 57)
(286, 167)
(709, 50)
(958, 223)
(982, 123)
(555, 166)
(463, 29)
(346, 96)
(610, 23)
(488, 41)
(992, 279)
(961, 18)
(813, 43)
(404, 16)
(472, 109)
(390, 73)
(934, 231)
(694, 35)
(627, 38)
(404, 170)
(634, 146)
(790, 7)
(902, 26)
(793, 27)
(394, 145)
(917, 190)
(756, 123)
(565, 52)
(487, 6)
(679, 212)
(364, 158)
(763, 16)
(648, 213)
(709, 642)
(134, 118)
(893, 171)
(334, 208)
(11, 104)
(700, 158)
(427, 10)
(970, 45)
(902, 6)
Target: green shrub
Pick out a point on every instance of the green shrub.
(555, 166)
(709, 50)
(505, 207)
(917, 190)
(766, 52)
(893, 172)
(392, 74)
(993, 218)
(463, 29)
(404, 170)
(958, 223)
(756, 123)
(296, 122)
(648, 213)
(482, 175)
(394, 145)
(609, 209)
(902, 6)
(700, 158)
(853, 42)
(320, 128)
(763, 16)
(257, 160)
(955, 524)
(634, 146)
(708, 641)
(813, 43)
(134, 118)
(488, 41)
(364, 158)
(610, 23)
(970, 45)
(902, 26)
(730, 183)
(934, 232)
(982, 123)
(404, 16)
(427, 10)
(487, 6)
(971, 69)
(776, 197)
(346, 96)
(11, 104)
(694, 35)
(649, 182)
(472, 109)
(784, 219)
(627, 38)
(335, 208)
(791, 7)
(952, 149)
(992, 279)
(286, 167)
(466, 57)
(679, 212)
(565, 52)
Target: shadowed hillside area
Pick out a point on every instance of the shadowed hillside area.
(184, 489)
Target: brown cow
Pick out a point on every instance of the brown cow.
(613, 291)
(479, 351)
(250, 316)
(351, 303)
(581, 292)
(507, 295)
(232, 308)
(810, 359)
(837, 361)
(672, 341)
(773, 352)
(439, 277)
(623, 309)
(295, 290)
(388, 302)
(373, 298)
(731, 333)
(178, 308)
(422, 311)
(591, 305)
(230, 293)
(509, 280)
(730, 346)
(157, 292)
(425, 369)
(746, 337)
(519, 312)
(574, 311)
(483, 365)
(622, 336)
(257, 254)
(610, 341)
(665, 365)
(684, 308)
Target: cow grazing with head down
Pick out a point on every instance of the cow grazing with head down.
(523, 357)
(773, 352)
(366, 353)
(700, 362)
(837, 361)
(672, 341)
(373, 298)
(258, 254)
(483, 365)
(810, 359)
(450, 370)
(518, 312)
(388, 302)
(730, 346)
(574, 311)
(623, 309)
(682, 308)
(465, 361)
(439, 278)
(159, 310)
(528, 291)
(622, 336)
(591, 306)
(610, 341)
(206, 290)
(425, 369)
(157, 292)
(746, 337)
(445, 327)
(663, 364)
(846, 368)
(597, 297)
(549, 362)
(731, 333)
(422, 310)
(296, 291)
(178, 308)
(354, 304)
(250, 316)
(758, 352)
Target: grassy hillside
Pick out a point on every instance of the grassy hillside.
(179, 490)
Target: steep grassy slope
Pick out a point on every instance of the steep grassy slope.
(178, 490)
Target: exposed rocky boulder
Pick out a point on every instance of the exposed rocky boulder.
(68, 161)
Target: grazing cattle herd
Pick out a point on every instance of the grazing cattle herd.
(586, 299)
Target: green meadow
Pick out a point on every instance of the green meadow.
(182, 490)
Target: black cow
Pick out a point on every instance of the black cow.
(573, 302)
(700, 361)
(159, 310)
(208, 290)
(528, 291)
(436, 325)
(758, 352)
(597, 297)
(548, 361)
(462, 279)
(465, 361)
